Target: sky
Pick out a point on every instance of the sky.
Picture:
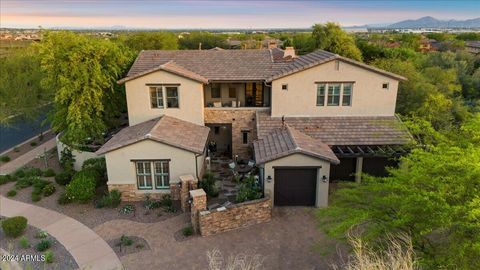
(223, 14)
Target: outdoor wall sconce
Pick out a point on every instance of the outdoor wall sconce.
(269, 179)
(324, 178)
(179, 184)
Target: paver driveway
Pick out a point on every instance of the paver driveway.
(286, 242)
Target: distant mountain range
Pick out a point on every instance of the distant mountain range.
(430, 22)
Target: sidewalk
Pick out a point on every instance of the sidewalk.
(88, 249)
(24, 159)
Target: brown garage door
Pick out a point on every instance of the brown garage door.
(295, 186)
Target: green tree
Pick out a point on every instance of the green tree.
(20, 91)
(332, 38)
(432, 196)
(207, 40)
(82, 71)
(138, 41)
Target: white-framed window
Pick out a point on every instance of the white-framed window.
(161, 173)
(285, 86)
(333, 98)
(385, 86)
(153, 174)
(144, 175)
(321, 94)
(334, 93)
(164, 95)
(347, 94)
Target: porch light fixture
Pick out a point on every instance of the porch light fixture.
(324, 178)
(269, 179)
(179, 184)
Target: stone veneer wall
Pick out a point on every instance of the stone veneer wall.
(130, 193)
(241, 119)
(235, 216)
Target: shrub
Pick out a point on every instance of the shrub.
(43, 245)
(170, 209)
(99, 166)
(67, 159)
(126, 241)
(30, 172)
(20, 173)
(33, 143)
(41, 234)
(64, 178)
(40, 183)
(11, 193)
(208, 184)
(49, 172)
(48, 256)
(166, 200)
(23, 242)
(25, 182)
(127, 209)
(14, 226)
(82, 187)
(151, 204)
(63, 199)
(36, 197)
(249, 190)
(7, 179)
(49, 190)
(111, 199)
(187, 231)
(5, 159)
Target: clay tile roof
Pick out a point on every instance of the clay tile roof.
(233, 65)
(342, 130)
(166, 129)
(285, 141)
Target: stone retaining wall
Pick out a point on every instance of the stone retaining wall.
(235, 216)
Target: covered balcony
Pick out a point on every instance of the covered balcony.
(237, 95)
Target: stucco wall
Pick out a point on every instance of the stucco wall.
(299, 160)
(121, 169)
(138, 98)
(368, 97)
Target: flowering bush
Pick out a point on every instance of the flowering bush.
(82, 187)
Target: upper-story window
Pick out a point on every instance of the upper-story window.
(164, 95)
(321, 94)
(333, 94)
(215, 91)
(333, 98)
(347, 94)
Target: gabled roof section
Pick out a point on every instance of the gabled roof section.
(286, 141)
(171, 67)
(234, 65)
(321, 57)
(166, 129)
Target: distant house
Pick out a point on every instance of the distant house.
(305, 120)
(473, 46)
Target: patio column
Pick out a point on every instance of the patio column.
(199, 203)
(358, 170)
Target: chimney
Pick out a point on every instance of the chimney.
(289, 52)
(272, 44)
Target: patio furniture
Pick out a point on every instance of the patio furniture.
(235, 104)
(251, 163)
(232, 165)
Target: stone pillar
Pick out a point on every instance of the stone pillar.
(358, 170)
(199, 203)
(188, 183)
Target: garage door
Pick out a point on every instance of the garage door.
(295, 186)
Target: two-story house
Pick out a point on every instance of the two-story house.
(303, 119)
